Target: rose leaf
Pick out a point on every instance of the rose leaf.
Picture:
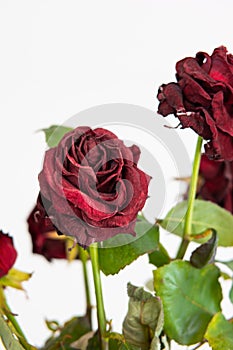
(143, 323)
(121, 250)
(220, 333)
(190, 298)
(70, 332)
(82, 343)
(54, 134)
(205, 254)
(7, 337)
(205, 215)
(94, 343)
(118, 342)
(159, 257)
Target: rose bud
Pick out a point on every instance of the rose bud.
(216, 183)
(8, 253)
(91, 186)
(45, 240)
(202, 99)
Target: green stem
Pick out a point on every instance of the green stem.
(84, 257)
(93, 249)
(14, 322)
(191, 198)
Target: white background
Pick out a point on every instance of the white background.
(61, 57)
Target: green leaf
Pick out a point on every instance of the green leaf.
(121, 250)
(159, 257)
(117, 342)
(144, 320)
(82, 342)
(68, 334)
(120, 344)
(14, 279)
(205, 254)
(206, 215)
(220, 333)
(190, 298)
(94, 343)
(55, 133)
(7, 337)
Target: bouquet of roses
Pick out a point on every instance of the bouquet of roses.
(90, 207)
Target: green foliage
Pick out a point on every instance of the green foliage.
(144, 321)
(94, 343)
(205, 254)
(55, 133)
(159, 257)
(190, 298)
(121, 250)
(220, 333)
(7, 336)
(119, 343)
(206, 215)
(67, 334)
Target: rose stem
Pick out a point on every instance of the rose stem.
(84, 256)
(191, 197)
(14, 322)
(93, 249)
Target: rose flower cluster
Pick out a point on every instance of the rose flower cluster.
(90, 188)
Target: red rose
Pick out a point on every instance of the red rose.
(202, 99)
(216, 182)
(43, 235)
(8, 254)
(92, 185)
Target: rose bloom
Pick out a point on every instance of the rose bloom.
(45, 240)
(8, 253)
(202, 99)
(91, 187)
(216, 182)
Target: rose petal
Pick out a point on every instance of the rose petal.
(8, 253)
(220, 69)
(220, 114)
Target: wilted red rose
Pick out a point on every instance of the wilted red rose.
(8, 253)
(45, 240)
(202, 99)
(92, 186)
(216, 182)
